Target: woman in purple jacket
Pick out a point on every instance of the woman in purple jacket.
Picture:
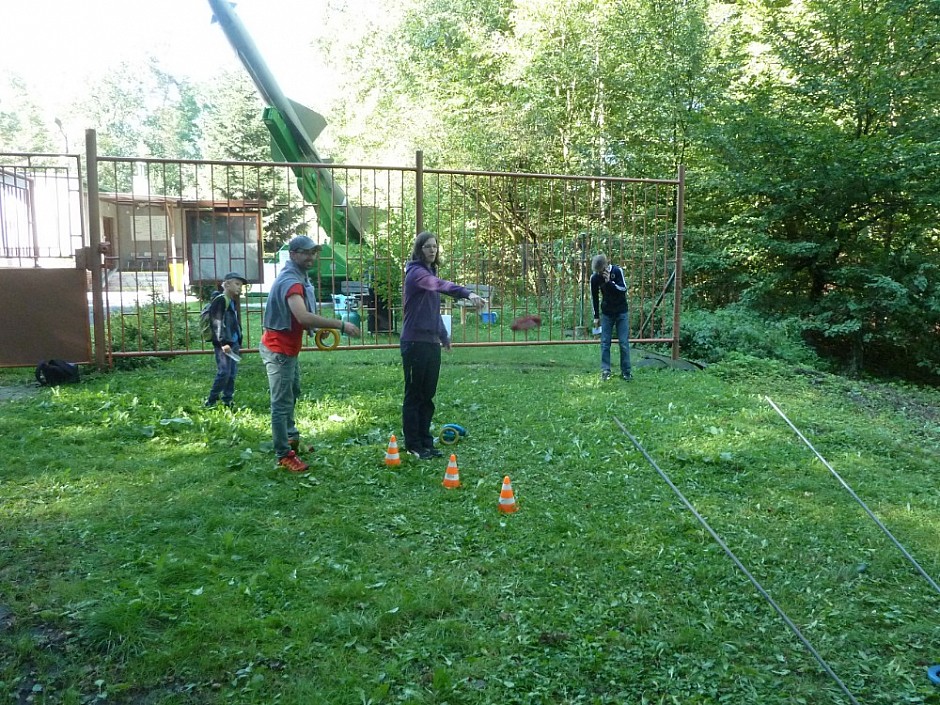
(422, 335)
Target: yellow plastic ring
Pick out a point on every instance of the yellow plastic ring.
(321, 336)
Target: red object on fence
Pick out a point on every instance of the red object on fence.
(526, 323)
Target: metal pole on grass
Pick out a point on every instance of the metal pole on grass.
(730, 553)
(855, 496)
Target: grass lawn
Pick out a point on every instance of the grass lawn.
(151, 553)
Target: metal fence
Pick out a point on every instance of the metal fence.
(167, 231)
(41, 209)
(529, 239)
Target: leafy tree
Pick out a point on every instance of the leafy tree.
(828, 193)
(234, 130)
(138, 109)
(22, 127)
(114, 107)
(231, 122)
(172, 128)
(582, 86)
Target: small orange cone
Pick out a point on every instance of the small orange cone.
(451, 474)
(391, 455)
(507, 500)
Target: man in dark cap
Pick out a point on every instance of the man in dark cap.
(226, 325)
(289, 313)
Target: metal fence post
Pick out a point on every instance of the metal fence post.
(419, 192)
(94, 232)
(677, 283)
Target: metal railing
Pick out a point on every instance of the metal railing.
(168, 229)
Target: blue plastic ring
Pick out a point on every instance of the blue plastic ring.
(933, 673)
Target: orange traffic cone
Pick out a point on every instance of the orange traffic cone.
(391, 455)
(451, 474)
(507, 500)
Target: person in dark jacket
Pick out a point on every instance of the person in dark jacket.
(422, 335)
(225, 323)
(608, 282)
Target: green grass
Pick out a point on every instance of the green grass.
(151, 553)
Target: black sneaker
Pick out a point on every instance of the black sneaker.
(435, 453)
(420, 454)
(605, 376)
(626, 378)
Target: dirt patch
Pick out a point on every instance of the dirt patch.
(914, 405)
(17, 391)
(918, 404)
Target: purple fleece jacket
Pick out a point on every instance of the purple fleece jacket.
(421, 301)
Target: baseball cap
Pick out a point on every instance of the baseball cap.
(234, 275)
(302, 242)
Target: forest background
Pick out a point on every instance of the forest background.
(809, 131)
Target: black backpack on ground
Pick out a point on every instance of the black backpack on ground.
(52, 372)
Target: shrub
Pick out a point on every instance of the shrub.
(711, 335)
(160, 326)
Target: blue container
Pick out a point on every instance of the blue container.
(490, 317)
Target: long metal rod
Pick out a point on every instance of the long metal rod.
(855, 497)
(659, 300)
(730, 553)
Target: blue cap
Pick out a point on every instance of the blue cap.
(302, 242)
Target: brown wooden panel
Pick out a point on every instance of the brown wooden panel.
(43, 315)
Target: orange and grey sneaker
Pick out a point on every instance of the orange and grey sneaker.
(292, 463)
